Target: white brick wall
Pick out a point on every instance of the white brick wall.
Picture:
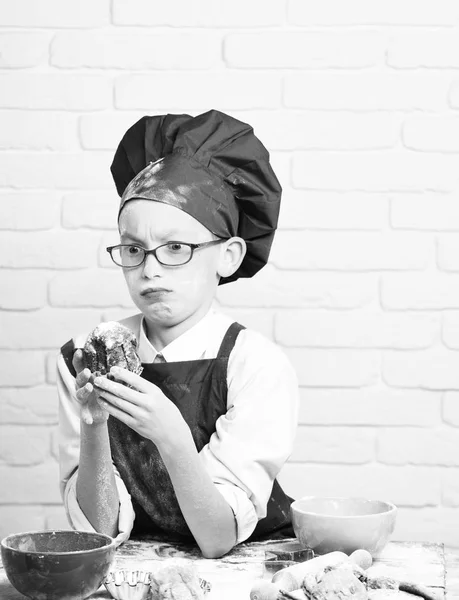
(358, 103)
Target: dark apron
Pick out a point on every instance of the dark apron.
(199, 390)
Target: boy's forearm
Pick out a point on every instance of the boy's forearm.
(96, 489)
(206, 512)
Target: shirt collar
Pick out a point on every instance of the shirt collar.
(191, 345)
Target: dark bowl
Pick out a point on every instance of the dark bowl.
(57, 565)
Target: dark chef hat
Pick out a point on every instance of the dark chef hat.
(217, 170)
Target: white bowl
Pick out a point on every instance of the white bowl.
(346, 524)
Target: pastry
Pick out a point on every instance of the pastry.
(108, 345)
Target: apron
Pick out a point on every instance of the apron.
(199, 390)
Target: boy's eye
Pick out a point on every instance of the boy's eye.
(175, 247)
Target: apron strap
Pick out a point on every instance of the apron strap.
(229, 340)
(67, 352)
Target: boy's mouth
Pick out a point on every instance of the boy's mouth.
(154, 292)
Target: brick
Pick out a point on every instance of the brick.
(281, 163)
(88, 209)
(424, 49)
(23, 290)
(424, 291)
(29, 211)
(426, 211)
(38, 130)
(257, 319)
(57, 91)
(447, 248)
(367, 91)
(30, 484)
(304, 50)
(436, 525)
(335, 368)
(431, 134)
(161, 90)
(403, 171)
(312, 209)
(404, 486)
(350, 251)
(20, 518)
(29, 406)
(360, 12)
(21, 50)
(109, 238)
(51, 368)
(366, 329)
(24, 445)
(21, 369)
(181, 13)
(450, 329)
(288, 289)
(48, 249)
(55, 13)
(46, 328)
(341, 445)
(87, 170)
(450, 408)
(55, 517)
(427, 369)
(104, 131)
(450, 486)
(326, 130)
(54, 446)
(370, 407)
(125, 51)
(453, 96)
(418, 446)
(95, 287)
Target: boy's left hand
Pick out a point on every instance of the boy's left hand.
(143, 407)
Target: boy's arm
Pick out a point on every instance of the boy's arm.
(255, 437)
(205, 510)
(96, 489)
(94, 495)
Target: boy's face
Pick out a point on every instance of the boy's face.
(169, 295)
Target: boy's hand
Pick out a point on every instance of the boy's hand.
(91, 411)
(143, 407)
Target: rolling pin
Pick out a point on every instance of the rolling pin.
(291, 578)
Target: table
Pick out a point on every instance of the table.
(232, 576)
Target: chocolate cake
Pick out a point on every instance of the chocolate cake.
(111, 345)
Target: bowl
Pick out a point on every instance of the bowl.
(57, 565)
(345, 524)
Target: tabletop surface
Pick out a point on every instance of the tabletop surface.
(232, 576)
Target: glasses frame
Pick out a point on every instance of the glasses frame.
(193, 247)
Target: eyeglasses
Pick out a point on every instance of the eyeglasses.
(172, 254)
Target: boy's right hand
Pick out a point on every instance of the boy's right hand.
(91, 411)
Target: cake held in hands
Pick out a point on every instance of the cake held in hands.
(108, 345)
(111, 345)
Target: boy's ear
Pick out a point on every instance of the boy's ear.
(231, 256)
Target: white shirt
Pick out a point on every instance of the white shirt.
(252, 440)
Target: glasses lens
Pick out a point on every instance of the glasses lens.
(174, 253)
(128, 256)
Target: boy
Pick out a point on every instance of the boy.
(192, 447)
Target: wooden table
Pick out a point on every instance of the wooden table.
(232, 576)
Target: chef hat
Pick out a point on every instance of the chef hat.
(217, 170)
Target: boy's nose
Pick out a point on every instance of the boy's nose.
(151, 267)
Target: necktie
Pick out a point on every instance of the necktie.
(159, 358)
